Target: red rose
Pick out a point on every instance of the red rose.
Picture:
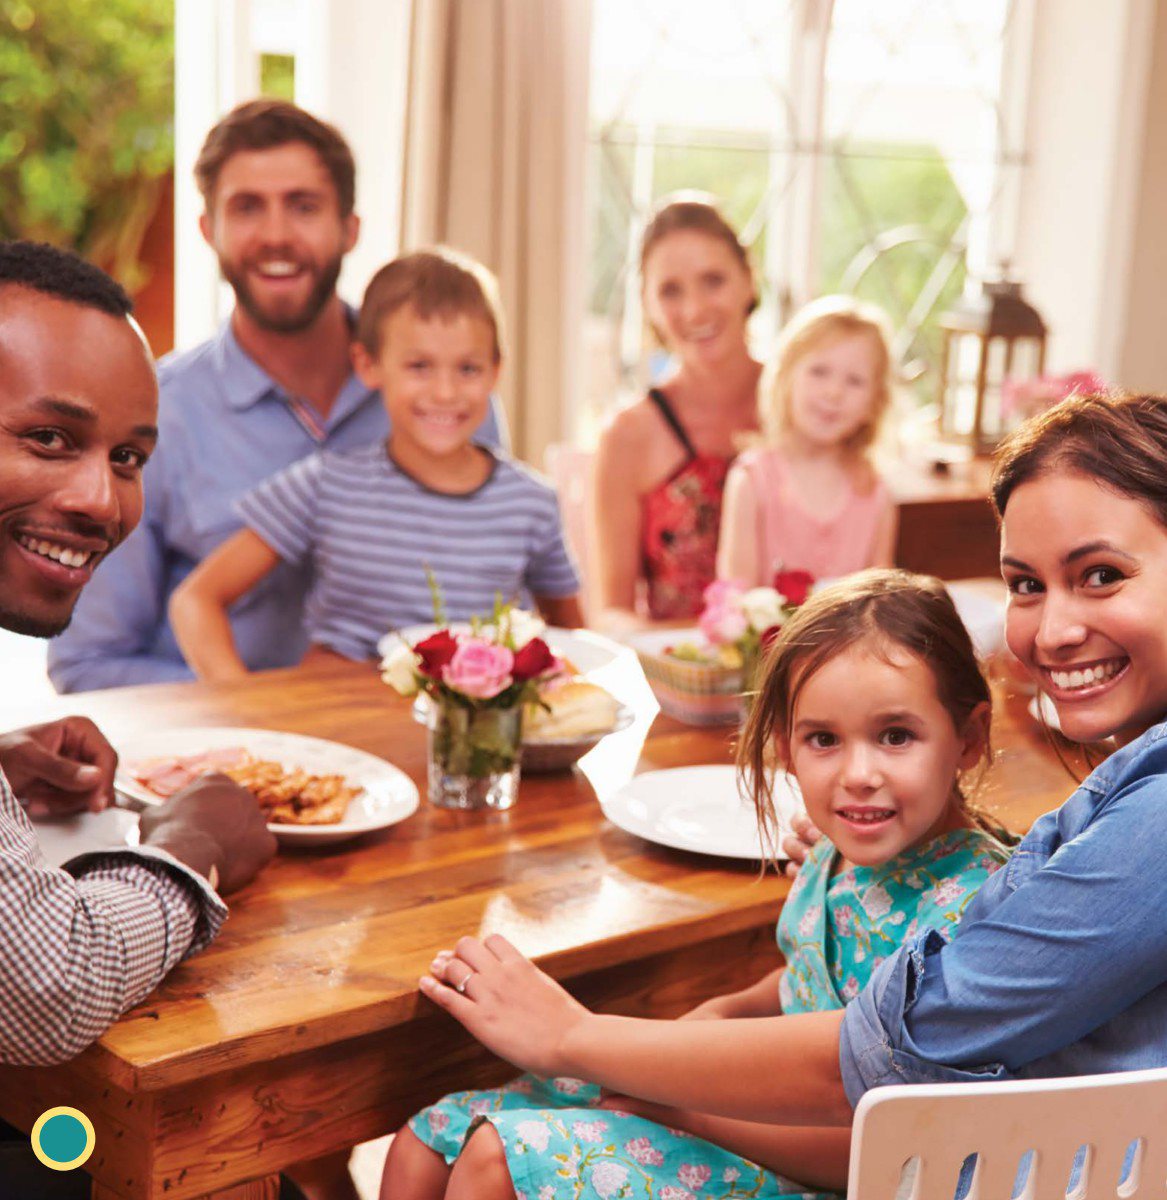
(767, 637)
(794, 585)
(534, 659)
(435, 652)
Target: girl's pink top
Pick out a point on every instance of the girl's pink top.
(791, 537)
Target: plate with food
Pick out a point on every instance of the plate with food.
(313, 791)
(698, 809)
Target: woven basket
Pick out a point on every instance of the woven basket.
(696, 693)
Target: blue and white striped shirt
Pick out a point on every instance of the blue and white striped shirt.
(371, 531)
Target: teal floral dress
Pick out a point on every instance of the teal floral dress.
(835, 928)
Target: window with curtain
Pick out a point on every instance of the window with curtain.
(868, 148)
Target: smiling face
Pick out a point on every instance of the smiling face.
(876, 753)
(78, 406)
(833, 389)
(275, 224)
(435, 375)
(697, 295)
(1086, 569)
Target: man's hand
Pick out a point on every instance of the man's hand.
(61, 767)
(506, 1002)
(799, 843)
(212, 823)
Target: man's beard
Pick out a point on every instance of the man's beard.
(30, 626)
(294, 322)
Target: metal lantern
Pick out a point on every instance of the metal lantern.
(987, 339)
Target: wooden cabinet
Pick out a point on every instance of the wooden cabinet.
(947, 526)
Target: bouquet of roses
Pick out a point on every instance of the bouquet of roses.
(740, 622)
(495, 664)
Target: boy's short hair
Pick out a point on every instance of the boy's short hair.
(264, 124)
(436, 282)
(61, 273)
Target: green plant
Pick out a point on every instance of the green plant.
(86, 124)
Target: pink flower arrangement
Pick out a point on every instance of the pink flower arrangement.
(497, 664)
(750, 618)
(1024, 398)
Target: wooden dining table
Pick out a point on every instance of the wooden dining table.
(300, 1030)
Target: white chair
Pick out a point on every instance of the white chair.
(935, 1127)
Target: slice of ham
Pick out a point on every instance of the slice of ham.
(165, 776)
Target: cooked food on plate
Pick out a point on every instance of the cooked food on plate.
(288, 795)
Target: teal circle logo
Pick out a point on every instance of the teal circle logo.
(63, 1138)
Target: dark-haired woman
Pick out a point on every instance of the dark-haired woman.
(662, 461)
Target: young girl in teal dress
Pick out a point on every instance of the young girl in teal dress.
(874, 701)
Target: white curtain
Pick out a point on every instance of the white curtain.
(496, 134)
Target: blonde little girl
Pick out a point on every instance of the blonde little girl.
(809, 497)
(875, 703)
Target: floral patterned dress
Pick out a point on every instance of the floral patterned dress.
(836, 927)
(680, 522)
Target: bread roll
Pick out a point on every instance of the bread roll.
(578, 709)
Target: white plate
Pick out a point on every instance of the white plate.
(587, 651)
(388, 795)
(698, 809)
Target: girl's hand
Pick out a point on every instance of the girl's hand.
(506, 1002)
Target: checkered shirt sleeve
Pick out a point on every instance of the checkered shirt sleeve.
(81, 945)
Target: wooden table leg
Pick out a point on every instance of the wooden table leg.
(259, 1189)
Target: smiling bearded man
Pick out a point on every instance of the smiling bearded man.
(272, 386)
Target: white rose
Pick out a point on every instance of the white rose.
(763, 608)
(524, 626)
(399, 669)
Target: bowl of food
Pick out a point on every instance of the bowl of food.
(693, 681)
(570, 717)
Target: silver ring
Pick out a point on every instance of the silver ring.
(460, 988)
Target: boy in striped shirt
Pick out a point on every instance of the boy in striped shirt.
(374, 521)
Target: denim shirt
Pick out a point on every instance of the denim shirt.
(224, 426)
(1060, 964)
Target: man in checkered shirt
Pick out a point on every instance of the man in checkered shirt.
(79, 946)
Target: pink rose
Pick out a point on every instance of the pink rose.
(721, 592)
(479, 669)
(723, 623)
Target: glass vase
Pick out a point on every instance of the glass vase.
(473, 755)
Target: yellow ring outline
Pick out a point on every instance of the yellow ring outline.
(63, 1111)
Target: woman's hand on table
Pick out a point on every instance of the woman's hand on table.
(512, 1007)
(216, 828)
(60, 767)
